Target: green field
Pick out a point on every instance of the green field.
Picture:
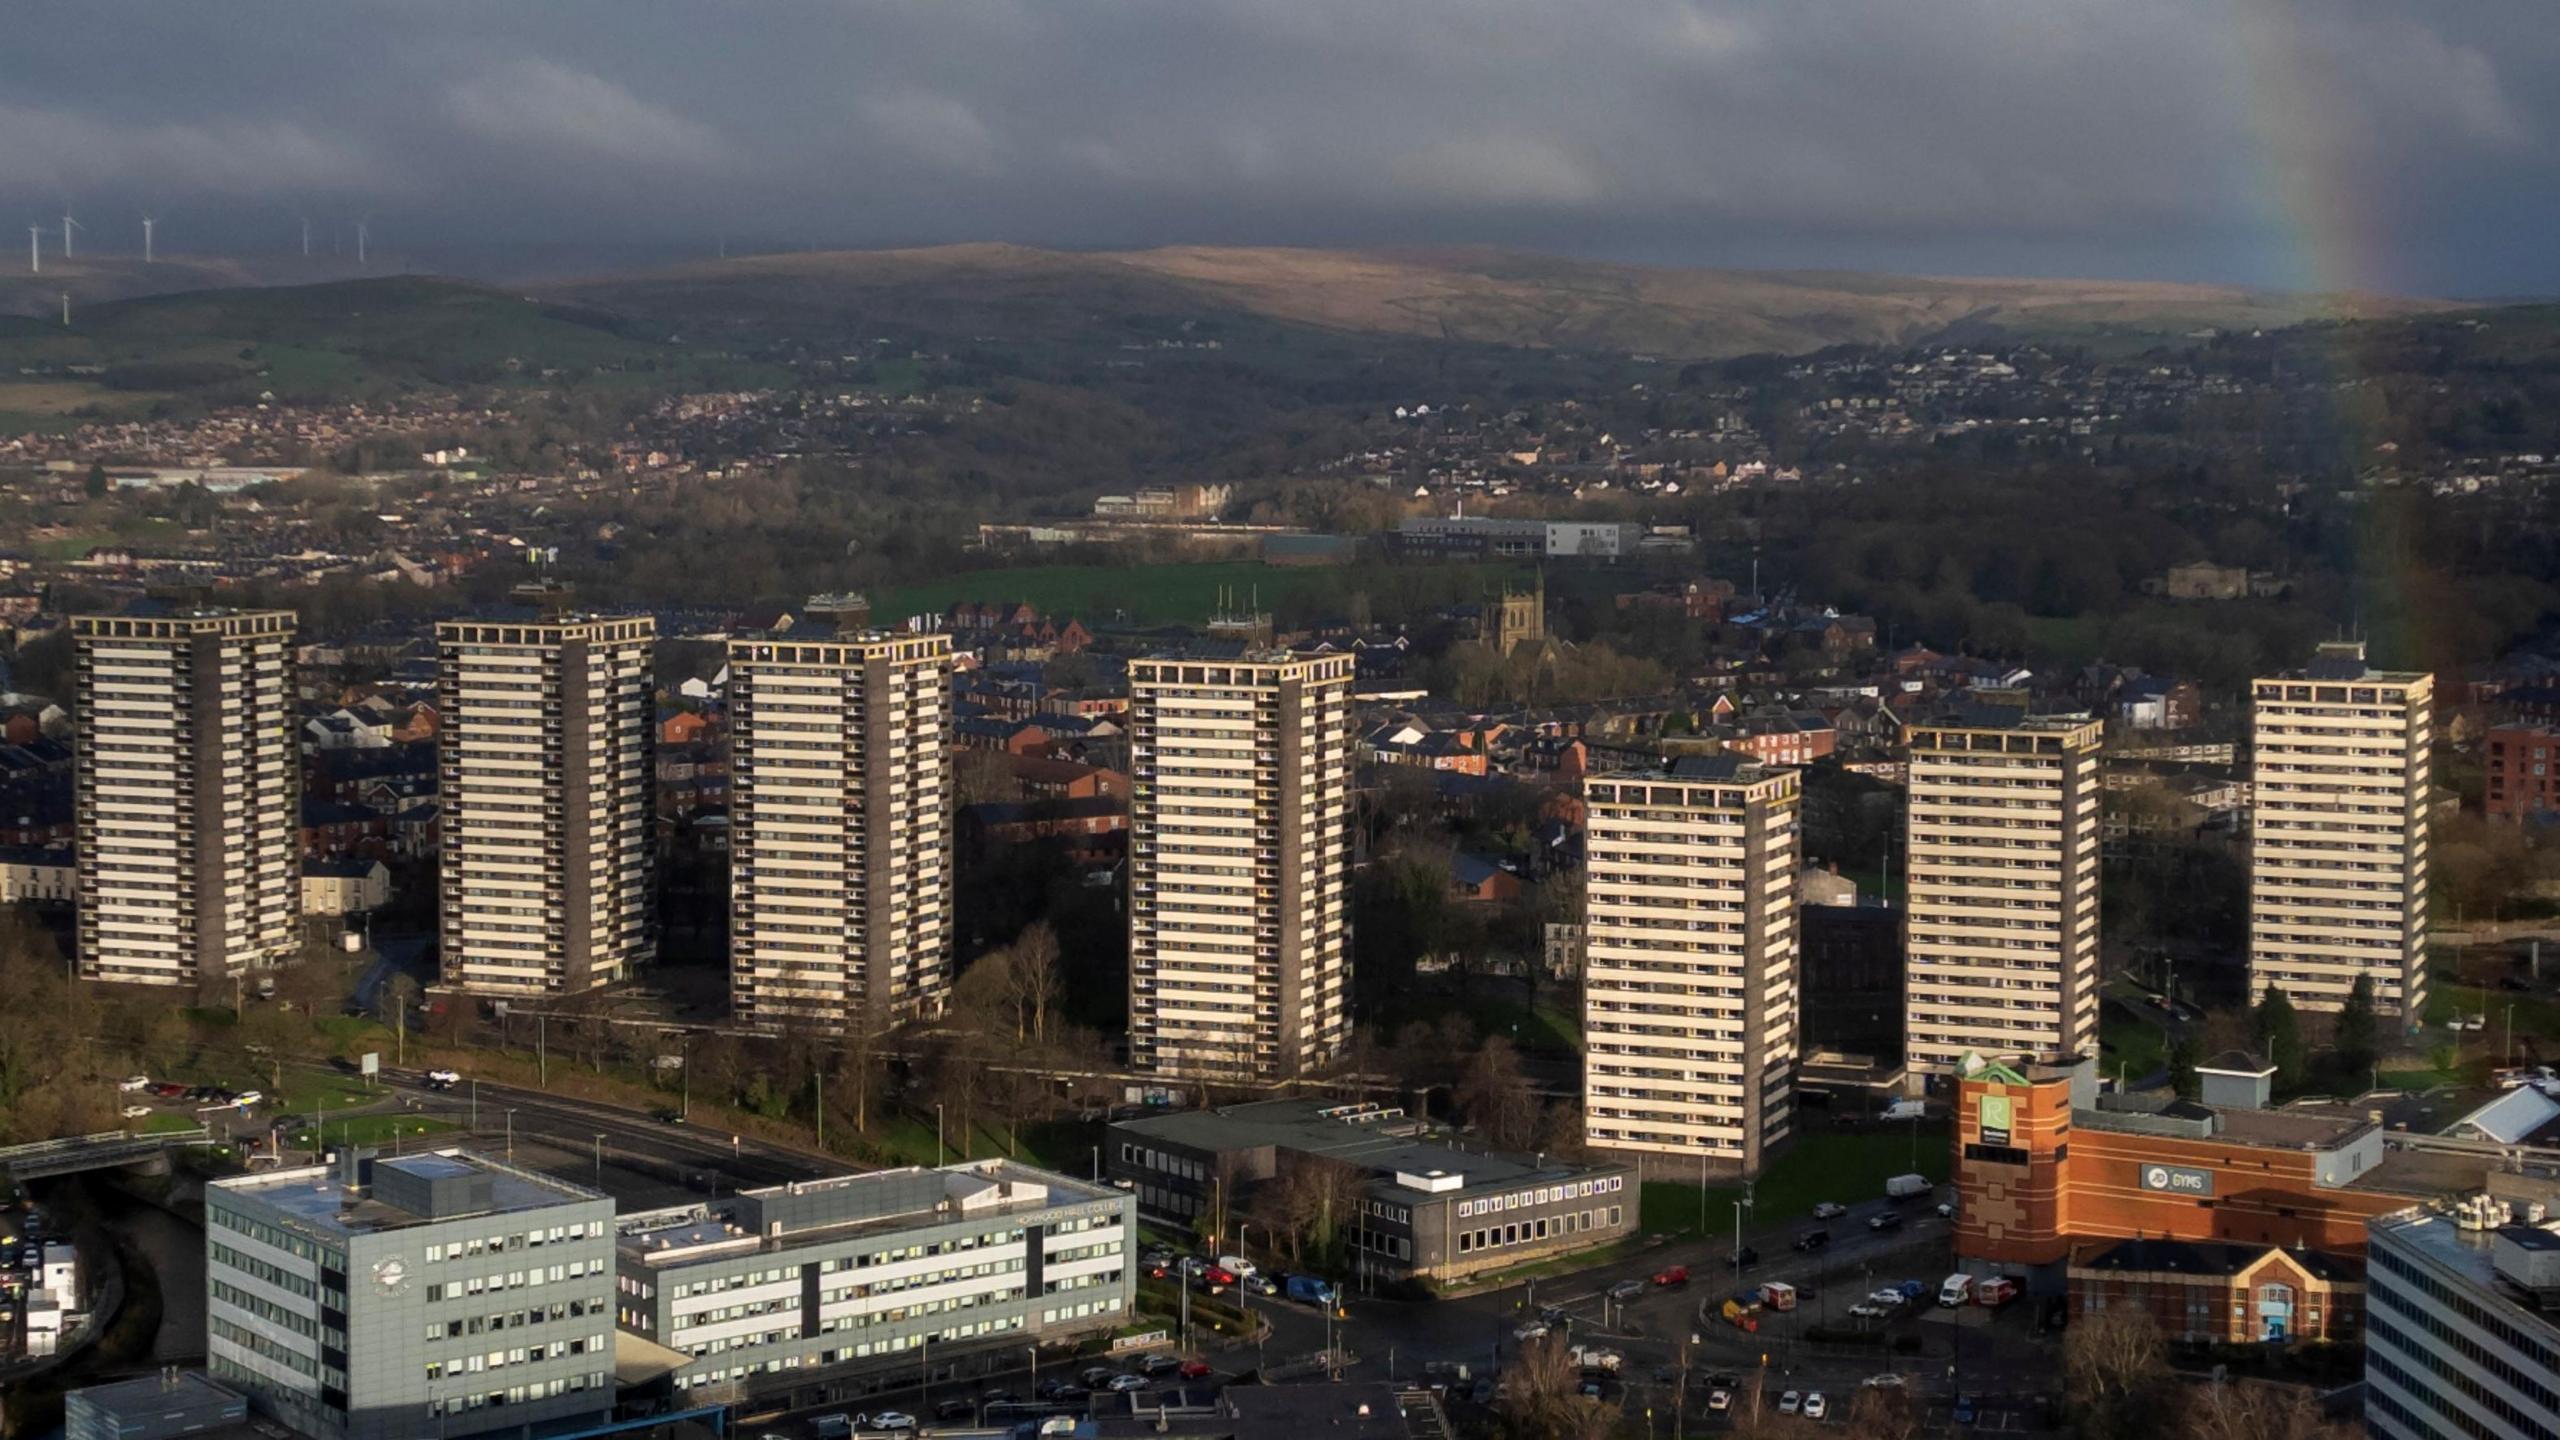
(1847, 1168)
(1165, 594)
(372, 1130)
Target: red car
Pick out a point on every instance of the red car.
(1194, 1370)
(1219, 1275)
(1676, 1275)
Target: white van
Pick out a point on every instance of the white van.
(1956, 1291)
(1236, 1265)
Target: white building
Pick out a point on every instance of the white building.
(2338, 833)
(2001, 921)
(1689, 960)
(187, 788)
(2461, 1337)
(799, 1291)
(840, 826)
(546, 802)
(1239, 863)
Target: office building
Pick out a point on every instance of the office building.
(186, 789)
(2462, 1324)
(1689, 981)
(2047, 1164)
(389, 1298)
(1240, 863)
(826, 1289)
(840, 826)
(1426, 1207)
(2202, 1292)
(546, 805)
(2338, 837)
(2000, 920)
(2522, 771)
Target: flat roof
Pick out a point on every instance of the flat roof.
(2470, 1254)
(319, 1196)
(837, 1207)
(1383, 1141)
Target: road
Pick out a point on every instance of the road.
(642, 1161)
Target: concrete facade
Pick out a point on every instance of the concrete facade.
(2001, 924)
(2338, 838)
(840, 827)
(1690, 996)
(186, 785)
(546, 752)
(1239, 864)
(2453, 1350)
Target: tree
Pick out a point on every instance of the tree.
(1496, 1098)
(96, 483)
(2258, 1412)
(2182, 1066)
(2115, 1370)
(1542, 1397)
(2358, 1036)
(2279, 1032)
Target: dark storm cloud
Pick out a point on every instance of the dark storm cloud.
(2305, 143)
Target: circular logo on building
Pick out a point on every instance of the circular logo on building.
(2157, 1177)
(390, 1276)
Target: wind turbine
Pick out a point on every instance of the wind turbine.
(147, 222)
(306, 237)
(69, 225)
(35, 249)
(362, 234)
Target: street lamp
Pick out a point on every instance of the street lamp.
(684, 1067)
(1034, 1352)
(937, 1133)
(599, 1161)
(511, 1137)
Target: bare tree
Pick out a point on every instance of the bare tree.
(1033, 973)
(1542, 1397)
(2115, 1367)
(2258, 1412)
(1496, 1096)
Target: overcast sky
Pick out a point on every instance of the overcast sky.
(2402, 145)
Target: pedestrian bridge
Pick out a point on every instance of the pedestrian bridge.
(103, 1151)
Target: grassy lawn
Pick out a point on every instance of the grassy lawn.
(374, 1130)
(1544, 1026)
(171, 1122)
(1846, 1168)
(2419, 1079)
(1162, 594)
(2535, 1015)
(2136, 1046)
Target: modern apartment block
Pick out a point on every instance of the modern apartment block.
(546, 801)
(840, 826)
(432, 1294)
(186, 790)
(2462, 1326)
(2338, 838)
(2000, 920)
(1239, 863)
(768, 1288)
(1689, 973)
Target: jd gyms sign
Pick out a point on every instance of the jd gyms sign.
(2177, 1180)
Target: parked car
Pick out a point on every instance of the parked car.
(1160, 1364)
(1886, 1220)
(956, 1410)
(1534, 1330)
(1122, 1384)
(1870, 1310)
(167, 1091)
(1719, 1400)
(136, 1112)
(1791, 1403)
(247, 1098)
(1964, 1410)
(1815, 1407)
(1671, 1277)
(1626, 1290)
(825, 1427)
(1829, 1210)
(893, 1420)
(1194, 1370)
(1098, 1374)
(1886, 1381)
(131, 1083)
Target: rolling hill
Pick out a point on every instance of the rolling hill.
(1483, 296)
